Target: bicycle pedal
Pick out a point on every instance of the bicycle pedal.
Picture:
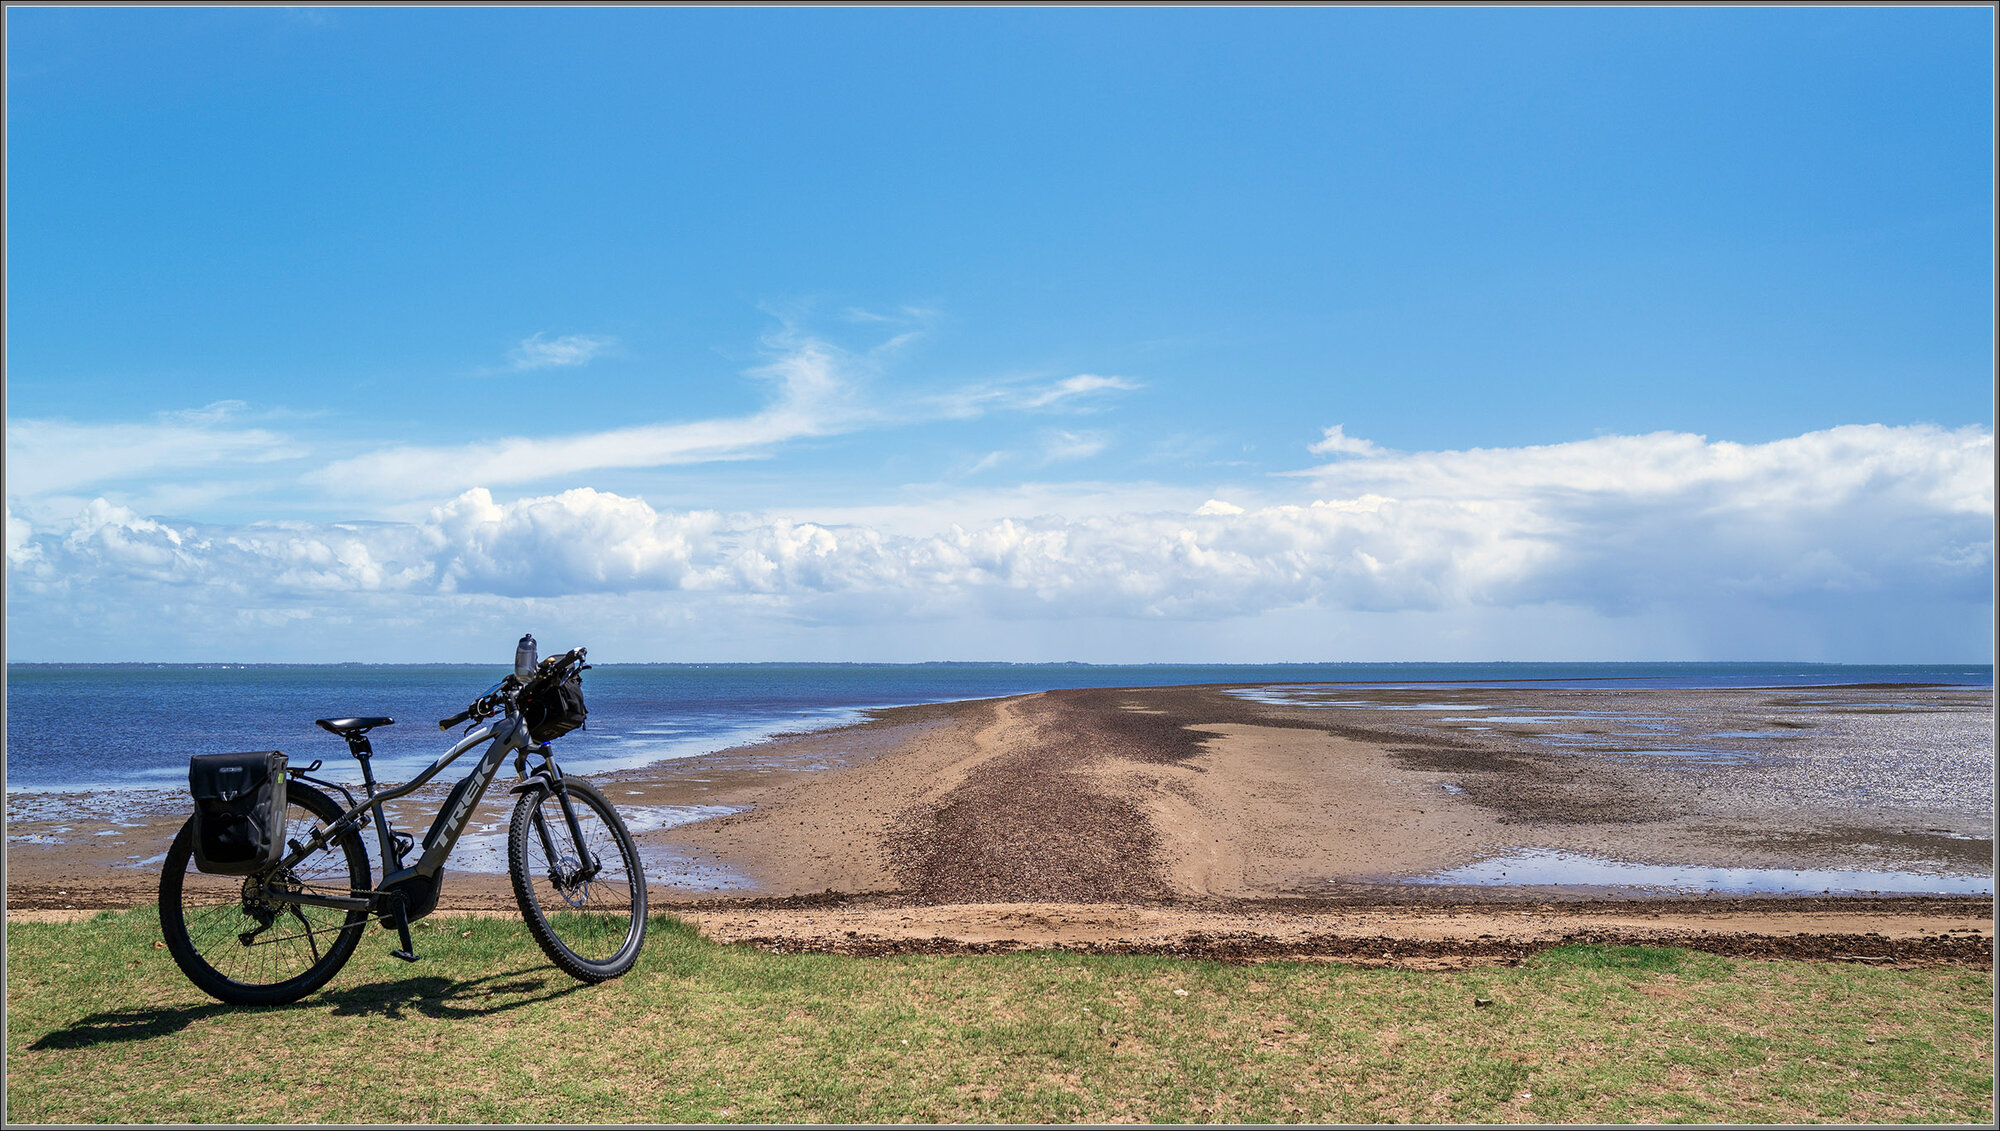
(404, 955)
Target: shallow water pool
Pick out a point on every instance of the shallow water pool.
(1541, 867)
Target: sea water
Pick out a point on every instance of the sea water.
(132, 726)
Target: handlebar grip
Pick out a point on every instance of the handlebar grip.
(447, 724)
(555, 668)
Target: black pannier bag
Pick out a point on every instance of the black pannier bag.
(239, 811)
(554, 709)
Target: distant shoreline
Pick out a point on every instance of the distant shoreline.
(1397, 667)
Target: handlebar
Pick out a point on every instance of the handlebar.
(552, 670)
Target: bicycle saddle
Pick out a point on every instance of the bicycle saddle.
(345, 727)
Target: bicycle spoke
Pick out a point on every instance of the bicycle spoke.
(591, 925)
(206, 918)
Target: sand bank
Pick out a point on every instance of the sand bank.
(1280, 823)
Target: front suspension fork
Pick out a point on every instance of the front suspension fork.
(549, 776)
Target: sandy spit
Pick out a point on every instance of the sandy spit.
(1192, 821)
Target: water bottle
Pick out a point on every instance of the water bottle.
(525, 659)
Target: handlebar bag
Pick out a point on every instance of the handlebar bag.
(239, 811)
(554, 708)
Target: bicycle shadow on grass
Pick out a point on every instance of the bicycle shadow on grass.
(445, 999)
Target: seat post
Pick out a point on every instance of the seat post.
(357, 744)
(358, 747)
(355, 731)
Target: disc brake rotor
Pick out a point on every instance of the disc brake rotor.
(575, 893)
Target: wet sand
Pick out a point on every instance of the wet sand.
(1314, 821)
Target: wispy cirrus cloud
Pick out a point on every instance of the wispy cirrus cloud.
(49, 456)
(1062, 446)
(818, 388)
(1072, 390)
(538, 351)
(813, 395)
(1083, 392)
(1056, 446)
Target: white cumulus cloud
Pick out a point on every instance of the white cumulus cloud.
(1864, 518)
(1336, 442)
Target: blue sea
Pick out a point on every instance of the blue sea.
(132, 726)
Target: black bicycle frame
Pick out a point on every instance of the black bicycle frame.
(506, 735)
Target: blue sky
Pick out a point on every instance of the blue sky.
(1014, 334)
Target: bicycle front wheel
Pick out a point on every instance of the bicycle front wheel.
(584, 900)
(242, 947)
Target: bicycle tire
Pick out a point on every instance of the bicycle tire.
(204, 917)
(592, 928)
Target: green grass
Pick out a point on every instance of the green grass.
(102, 1028)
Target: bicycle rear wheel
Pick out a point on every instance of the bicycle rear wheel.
(245, 949)
(585, 903)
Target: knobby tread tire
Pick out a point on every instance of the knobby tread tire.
(343, 939)
(523, 845)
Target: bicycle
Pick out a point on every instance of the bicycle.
(287, 925)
